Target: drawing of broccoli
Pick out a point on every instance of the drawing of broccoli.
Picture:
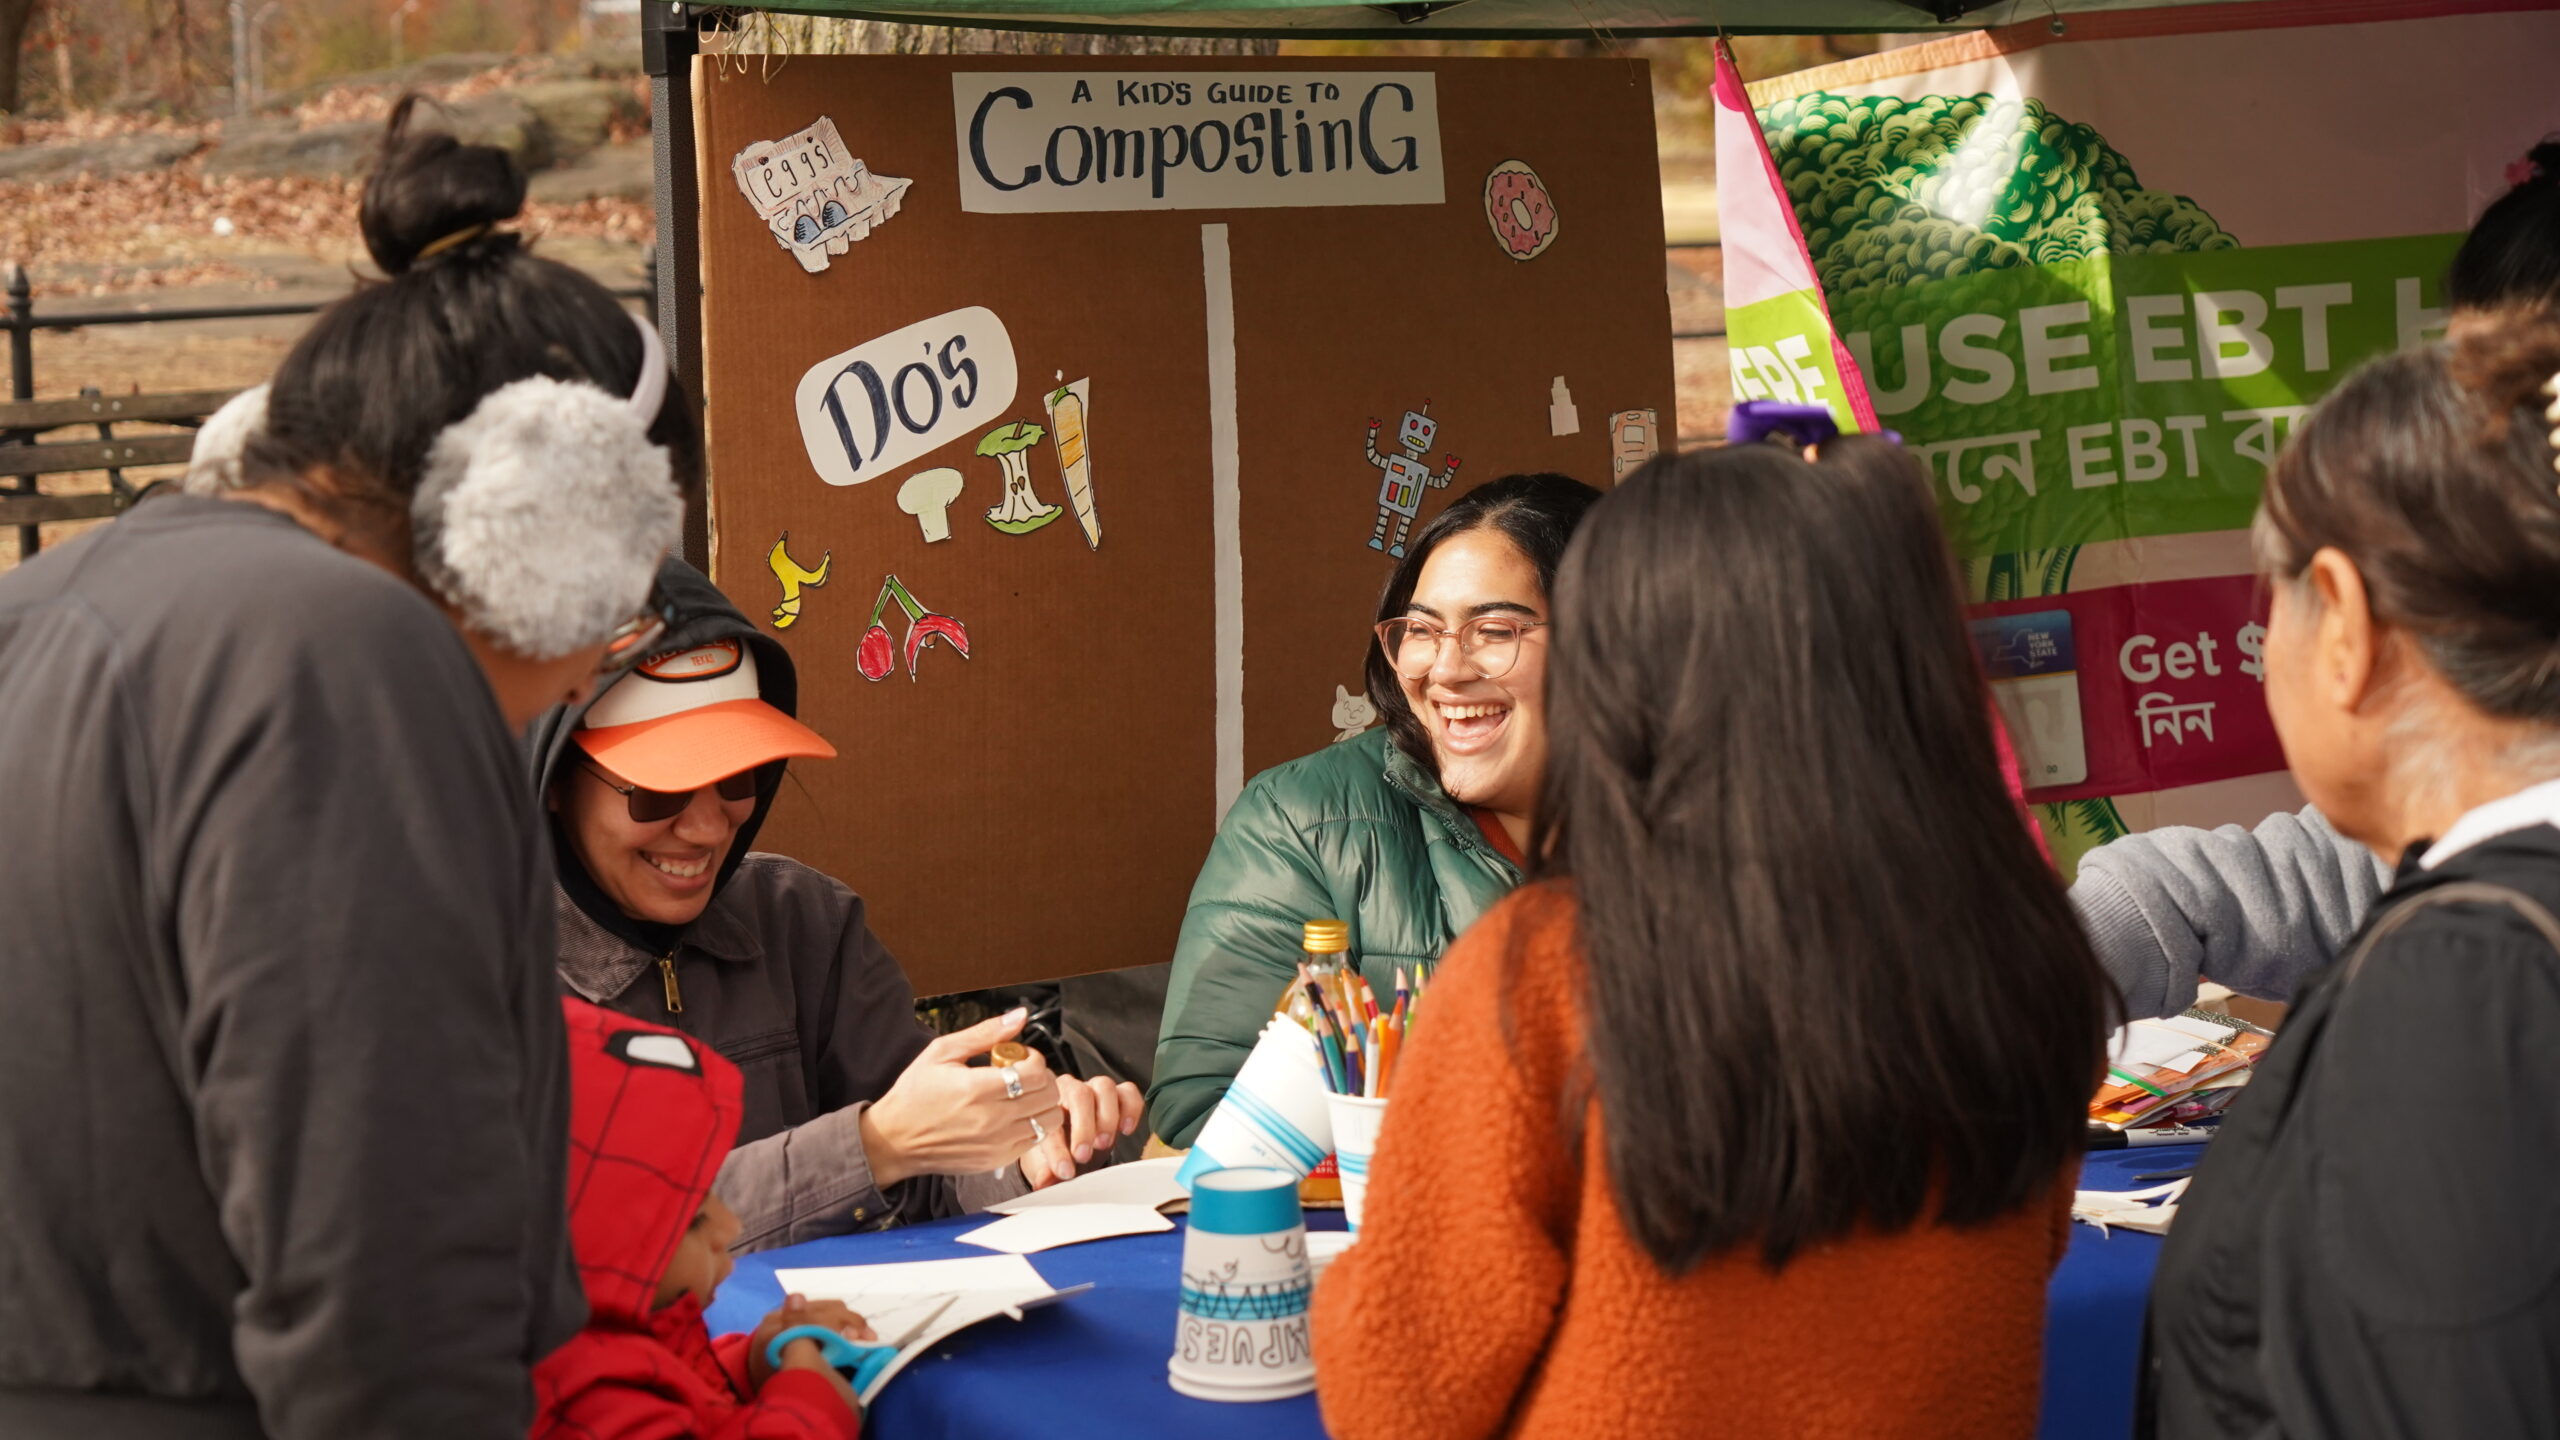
(1893, 192)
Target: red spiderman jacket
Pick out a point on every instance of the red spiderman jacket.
(651, 1117)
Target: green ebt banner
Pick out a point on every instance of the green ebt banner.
(2106, 397)
(2093, 279)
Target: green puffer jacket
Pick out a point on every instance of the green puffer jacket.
(1355, 832)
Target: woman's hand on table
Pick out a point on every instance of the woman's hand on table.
(801, 1310)
(945, 1116)
(1098, 1113)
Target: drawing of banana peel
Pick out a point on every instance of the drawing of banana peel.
(1069, 409)
(794, 579)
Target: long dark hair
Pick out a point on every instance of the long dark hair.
(2512, 255)
(1536, 512)
(1830, 980)
(356, 405)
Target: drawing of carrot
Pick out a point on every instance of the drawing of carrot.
(1068, 406)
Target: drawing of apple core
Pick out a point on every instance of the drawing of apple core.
(1010, 445)
(1518, 207)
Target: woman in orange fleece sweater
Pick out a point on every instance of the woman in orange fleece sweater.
(1754, 1112)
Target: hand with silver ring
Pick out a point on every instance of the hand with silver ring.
(945, 1116)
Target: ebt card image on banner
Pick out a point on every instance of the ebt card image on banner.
(2035, 680)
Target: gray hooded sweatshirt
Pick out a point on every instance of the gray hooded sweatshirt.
(781, 974)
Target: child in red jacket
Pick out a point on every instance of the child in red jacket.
(651, 1117)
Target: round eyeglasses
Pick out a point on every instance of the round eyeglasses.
(1489, 643)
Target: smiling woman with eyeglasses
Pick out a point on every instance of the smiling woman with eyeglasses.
(1407, 832)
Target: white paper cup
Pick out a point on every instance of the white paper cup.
(1274, 1113)
(1246, 1285)
(1355, 1138)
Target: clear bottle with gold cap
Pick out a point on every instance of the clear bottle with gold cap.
(1327, 944)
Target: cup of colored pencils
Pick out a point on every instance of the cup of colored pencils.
(1357, 1044)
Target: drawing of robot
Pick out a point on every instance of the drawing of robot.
(1400, 492)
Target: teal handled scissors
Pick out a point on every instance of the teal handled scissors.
(859, 1364)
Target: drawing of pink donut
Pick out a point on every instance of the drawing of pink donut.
(1522, 213)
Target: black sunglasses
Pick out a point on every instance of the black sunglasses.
(648, 807)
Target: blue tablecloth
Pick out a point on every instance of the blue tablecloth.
(1094, 1365)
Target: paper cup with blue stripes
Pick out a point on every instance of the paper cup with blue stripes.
(1246, 1285)
(1355, 1137)
(1274, 1114)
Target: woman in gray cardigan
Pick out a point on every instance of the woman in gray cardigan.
(2256, 909)
(2260, 909)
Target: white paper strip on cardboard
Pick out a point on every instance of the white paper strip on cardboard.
(1043, 142)
(873, 408)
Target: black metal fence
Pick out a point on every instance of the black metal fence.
(22, 323)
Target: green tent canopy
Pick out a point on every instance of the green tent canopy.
(1464, 19)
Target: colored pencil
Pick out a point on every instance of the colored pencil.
(1336, 1074)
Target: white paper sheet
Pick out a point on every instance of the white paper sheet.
(2129, 1209)
(1140, 1182)
(893, 1298)
(1050, 1226)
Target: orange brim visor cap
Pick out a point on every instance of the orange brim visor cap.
(694, 748)
(690, 718)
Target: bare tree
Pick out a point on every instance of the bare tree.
(15, 19)
(765, 33)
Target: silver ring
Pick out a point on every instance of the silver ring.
(1039, 1132)
(1012, 1082)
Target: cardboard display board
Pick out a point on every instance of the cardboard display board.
(1086, 355)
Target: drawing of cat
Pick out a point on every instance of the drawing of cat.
(1352, 714)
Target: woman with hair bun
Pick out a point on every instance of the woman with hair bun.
(284, 1133)
(2370, 1248)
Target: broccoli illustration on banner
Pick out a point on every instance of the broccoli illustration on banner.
(1890, 191)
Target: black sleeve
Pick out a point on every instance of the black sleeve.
(351, 857)
(2435, 1225)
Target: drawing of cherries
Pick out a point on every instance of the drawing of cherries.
(876, 655)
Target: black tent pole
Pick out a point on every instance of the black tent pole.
(670, 36)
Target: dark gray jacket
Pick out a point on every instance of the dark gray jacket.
(2370, 1250)
(782, 975)
(282, 1093)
